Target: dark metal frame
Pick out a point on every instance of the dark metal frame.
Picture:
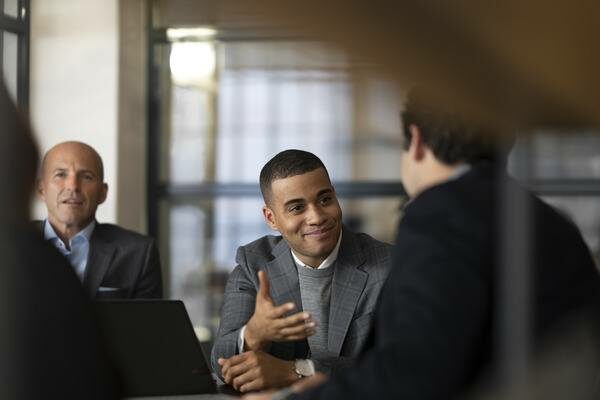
(153, 108)
(342, 189)
(21, 27)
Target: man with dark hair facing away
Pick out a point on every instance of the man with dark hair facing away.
(300, 302)
(437, 325)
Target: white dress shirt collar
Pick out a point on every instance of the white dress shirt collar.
(326, 262)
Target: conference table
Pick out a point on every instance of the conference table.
(224, 392)
(217, 396)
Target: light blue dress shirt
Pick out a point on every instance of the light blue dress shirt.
(79, 246)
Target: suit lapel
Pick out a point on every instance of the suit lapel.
(99, 258)
(285, 287)
(347, 286)
(283, 277)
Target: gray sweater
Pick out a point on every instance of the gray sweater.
(315, 290)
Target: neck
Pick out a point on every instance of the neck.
(435, 173)
(311, 261)
(66, 231)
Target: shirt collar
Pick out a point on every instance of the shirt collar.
(459, 171)
(326, 262)
(85, 233)
(456, 174)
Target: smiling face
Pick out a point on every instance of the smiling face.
(305, 210)
(71, 186)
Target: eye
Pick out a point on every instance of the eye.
(88, 177)
(326, 200)
(296, 208)
(60, 174)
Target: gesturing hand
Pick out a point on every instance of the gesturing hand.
(255, 370)
(269, 324)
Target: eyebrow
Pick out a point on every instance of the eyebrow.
(300, 200)
(81, 171)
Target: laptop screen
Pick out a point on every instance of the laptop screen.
(154, 348)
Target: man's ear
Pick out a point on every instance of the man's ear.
(416, 148)
(40, 190)
(269, 217)
(103, 193)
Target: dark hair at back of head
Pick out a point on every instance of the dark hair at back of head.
(285, 164)
(18, 161)
(452, 135)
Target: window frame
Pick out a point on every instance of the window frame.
(21, 27)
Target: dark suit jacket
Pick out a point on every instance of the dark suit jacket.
(434, 327)
(360, 271)
(49, 343)
(121, 264)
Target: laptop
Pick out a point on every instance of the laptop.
(154, 348)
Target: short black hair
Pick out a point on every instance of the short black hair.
(287, 163)
(450, 133)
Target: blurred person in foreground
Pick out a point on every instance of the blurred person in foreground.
(301, 302)
(437, 326)
(49, 344)
(110, 261)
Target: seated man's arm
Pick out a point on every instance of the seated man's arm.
(237, 308)
(263, 323)
(149, 283)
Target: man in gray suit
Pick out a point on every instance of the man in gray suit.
(110, 261)
(301, 302)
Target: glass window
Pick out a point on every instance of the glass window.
(377, 216)
(9, 62)
(184, 248)
(11, 8)
(231, 106)
(559, 155)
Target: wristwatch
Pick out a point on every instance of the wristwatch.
(303, 368)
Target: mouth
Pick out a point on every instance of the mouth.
(72, 202)
(319, 233)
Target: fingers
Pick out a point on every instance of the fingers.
(298, 319)
(250, 380)
(259, 396)
(280, 311)
(227, 364)
(298, 331)
(234, 368)
(255, 384)
(263, 286)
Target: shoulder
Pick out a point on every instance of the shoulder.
(259, 250)
(374, 253)
(115, 233)
(372, 247)
(462, 208)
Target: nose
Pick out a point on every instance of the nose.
(72, 182)
(315, 215)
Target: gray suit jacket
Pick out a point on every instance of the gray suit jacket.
(360, 271)
(121, 264)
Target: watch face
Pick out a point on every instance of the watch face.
(303, 368)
